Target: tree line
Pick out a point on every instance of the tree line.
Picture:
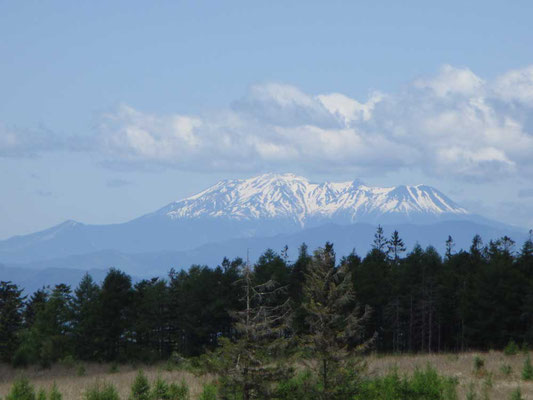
(416, 301)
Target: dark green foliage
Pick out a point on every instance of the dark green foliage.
(99, 391)
(80, 370)
(35, 304)
(300, 387)
(511, 349)
(506, 369)
(201, 298)
(425, 384)
(178, 391)
(54, 393)
(479, 364)
(41, 394)
(113, 368)
(160, 390)
(49, 337)
(21, 389)
(11, 305)
(247, 363)
(527, 370)
(478, 299)
(209, 392)
(336, 326)
(115, 313)
(516, 394)
(140, 389)
(86, 310)
(395, 246)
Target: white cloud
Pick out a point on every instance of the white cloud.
(451, 125)
(516, 85)
(452, 80)
(454, 125)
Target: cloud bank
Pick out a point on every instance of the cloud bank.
(453, 124)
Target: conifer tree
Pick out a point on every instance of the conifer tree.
(115, 308)
(34, 305)
(86, 313)
(336, 325)
(380, 243)
(140, 389)
(395, 246)
(11, 304)
(247, 363)
(450, 244)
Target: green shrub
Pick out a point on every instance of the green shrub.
(479, 365)
(41, 394)
(169, 366)
(80, 371)
(54, 393)
(99, 391)
(178, 391)
(113, 368)
(209, 392)
(68, 361)
(299, 387)
(516, 394)
(140, 389)
(506, 369)
(471, 394)
(21, 389)
(160, 390)
(487, 386)
(424, 384)
(527, 370)
(511, 349)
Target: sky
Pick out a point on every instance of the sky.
(110, 110)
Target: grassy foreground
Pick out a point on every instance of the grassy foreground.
(491, 375)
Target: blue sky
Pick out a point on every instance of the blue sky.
(109, 110)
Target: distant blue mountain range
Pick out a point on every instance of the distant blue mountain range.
(236, 217)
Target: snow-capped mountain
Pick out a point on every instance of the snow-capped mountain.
(288, 196)
(264, 206)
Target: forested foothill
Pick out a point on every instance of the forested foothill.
(249, 324)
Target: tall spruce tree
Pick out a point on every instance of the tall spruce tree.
(249, 364)
(11, 306)
(86, 307)
(115, 302)
(380, 242)
(336, 326)
(34, 305)
(395, 246)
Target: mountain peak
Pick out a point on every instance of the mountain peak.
(291, 197)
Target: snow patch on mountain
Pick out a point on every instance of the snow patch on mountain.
(289, 196)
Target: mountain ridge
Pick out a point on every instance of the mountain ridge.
(292, 196)
(262, 206)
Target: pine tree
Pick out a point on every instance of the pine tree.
(140, 389)
(51, 331)
(34, 305)
(336, 325)
(248, 364)
(380, 243)
(450, 244)
(11, 305)
(86, 313)
(115, 307)
(395, 246)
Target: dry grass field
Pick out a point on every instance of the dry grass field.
(72, 386)
(494, 381)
